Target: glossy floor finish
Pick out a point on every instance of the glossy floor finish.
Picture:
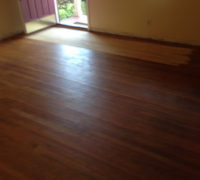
(144, 50)
(73, 113)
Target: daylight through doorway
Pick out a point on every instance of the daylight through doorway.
(73, 13)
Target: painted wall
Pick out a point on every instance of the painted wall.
(170, 20)
(10, 18)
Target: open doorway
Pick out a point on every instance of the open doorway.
(73, 13)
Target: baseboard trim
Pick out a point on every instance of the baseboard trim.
(128, 36)
(123, 36)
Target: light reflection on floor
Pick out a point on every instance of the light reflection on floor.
(141, 50)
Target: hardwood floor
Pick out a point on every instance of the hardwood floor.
(73, 113)
(142, 50)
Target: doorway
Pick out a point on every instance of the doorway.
(72, 13)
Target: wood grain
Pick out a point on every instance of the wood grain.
(74, 113)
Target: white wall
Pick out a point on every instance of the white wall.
(170, 20)
(10, 18)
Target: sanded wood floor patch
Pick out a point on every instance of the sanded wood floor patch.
(147, 51)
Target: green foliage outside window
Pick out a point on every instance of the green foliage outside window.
(84, 7)
(66, 8)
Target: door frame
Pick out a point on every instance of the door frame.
(21, 16)
(56, 11)
(88, 13)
